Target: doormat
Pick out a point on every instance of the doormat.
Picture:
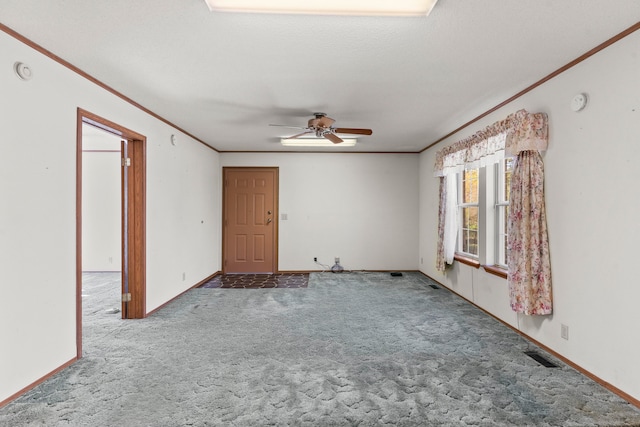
(258, 281)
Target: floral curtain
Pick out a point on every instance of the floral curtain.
(442, 209)
(519, 131)
(524, 135)
(529, 267)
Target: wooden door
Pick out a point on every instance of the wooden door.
(125, 165)
(133, 230)
(250, 220)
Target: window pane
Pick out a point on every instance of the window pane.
(465, 241)
(473, 242)
(470, 186)
(505, 248)
(506, 218)
(470, 230)
(470, 218)
(508, 168)
(473, 218)
(468, 200)
(470, 242)
(501, 241)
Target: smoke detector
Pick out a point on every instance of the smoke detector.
(23, 71)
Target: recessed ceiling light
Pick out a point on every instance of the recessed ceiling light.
(317, 142)
(327, 7)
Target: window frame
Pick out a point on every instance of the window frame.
(460, 177)
(489, 206)
(501, 209)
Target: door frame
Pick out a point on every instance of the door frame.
(136, 218)
(276, 195)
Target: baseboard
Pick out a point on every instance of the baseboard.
(37, 382)
(200, 283)
(297, 271)
(345, 271)
(72, 361)
(205, 280)
(632, 400)
(101, 271)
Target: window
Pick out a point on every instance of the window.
(481, 194)
(503, 183)
(481, 225)
(468, 212)
(483, 210)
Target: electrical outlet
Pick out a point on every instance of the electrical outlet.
(421, 260)
(564, 332)
(184, 276)
(337, 260)
(315, 259)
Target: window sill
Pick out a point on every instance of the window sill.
(467, 260)
(496, 270)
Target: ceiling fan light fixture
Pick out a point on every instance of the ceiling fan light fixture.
(327, 7)
(316, 142)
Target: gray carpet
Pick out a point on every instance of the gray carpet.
(351, 349)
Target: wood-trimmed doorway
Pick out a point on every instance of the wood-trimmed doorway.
(250, 220)
(133, 219)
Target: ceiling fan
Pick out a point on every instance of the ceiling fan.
(322, 127)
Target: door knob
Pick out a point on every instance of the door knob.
(268, 220)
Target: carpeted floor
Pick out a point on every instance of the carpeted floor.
(351, 349)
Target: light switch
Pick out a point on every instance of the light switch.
(283, 217)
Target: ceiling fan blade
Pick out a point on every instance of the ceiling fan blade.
(290, 127)
(299, 135)
(354, 131)
(333, 138)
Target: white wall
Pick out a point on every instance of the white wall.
(360, 207)
(183, 216)
(101, 201)
(592, 208)
(38, 210)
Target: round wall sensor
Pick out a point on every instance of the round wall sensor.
(22, 70)
(579, 102)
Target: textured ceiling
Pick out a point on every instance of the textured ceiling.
(224, 77)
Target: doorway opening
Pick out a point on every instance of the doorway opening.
(101, 231)
(110, 226)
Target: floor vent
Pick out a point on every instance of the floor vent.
(541, 359)
(434, 286)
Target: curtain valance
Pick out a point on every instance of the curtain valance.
(520, 131)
